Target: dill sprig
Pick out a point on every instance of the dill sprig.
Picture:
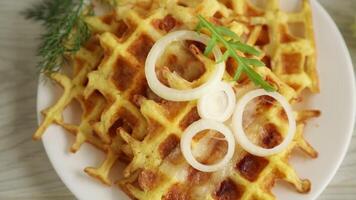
(232, 45)
(66, 31)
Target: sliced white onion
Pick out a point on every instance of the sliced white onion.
(174, 94)
(218, 104)
(240, 134)
(195, 128)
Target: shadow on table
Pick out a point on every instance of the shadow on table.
(25, 172)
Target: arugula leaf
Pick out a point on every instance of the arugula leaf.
(253, 62)
(231, 42)
(210, 46)
(245, 48)
(228, 32)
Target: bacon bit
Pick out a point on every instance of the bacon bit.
(165, 24)
(176, 192)
(228, 190)
(266, 102)
(267, 61)
(153, 127)
(140, 90)
(128, 117)
(197, 44)
(147, 180)
(156, 23)
(175, 157)
(251, 166)
(218, 15)
(263, 38)
(218, 150)
(117, 124)
(168, 23)
(125, 120)
(191, 117)
(271, 136)
(121, 29)
(138, 99)
(228, 4)
(189, 67)
(196, 177)
(124, 74)
(168, 145)
(179, 3)
(141, 47)
(231, 66)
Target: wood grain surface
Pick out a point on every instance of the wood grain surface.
(25, 171)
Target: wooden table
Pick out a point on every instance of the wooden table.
(25, 171)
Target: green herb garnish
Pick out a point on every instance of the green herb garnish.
(66, 31)
(232, 45)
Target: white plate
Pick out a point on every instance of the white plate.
(330, 134)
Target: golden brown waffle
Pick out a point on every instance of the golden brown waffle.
(83, 62)
(287, 38)
(158, 169)
(124, 118)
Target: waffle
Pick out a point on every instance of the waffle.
(73, 86)
(158, 170)
(124, 118)
(287, 39)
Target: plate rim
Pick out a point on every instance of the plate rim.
(352, 117)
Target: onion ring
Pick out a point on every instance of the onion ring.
(195, 128)
(241, 135)
(174, 94)
(206, 110)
